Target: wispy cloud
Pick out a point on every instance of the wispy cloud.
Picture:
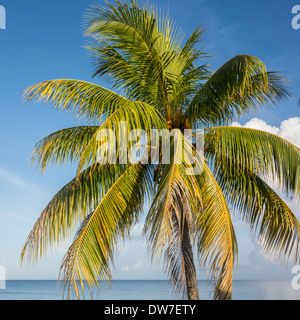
(12, 178)
(16, 181)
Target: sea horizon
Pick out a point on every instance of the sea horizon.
(150, 290)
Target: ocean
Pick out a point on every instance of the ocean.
(150, 290)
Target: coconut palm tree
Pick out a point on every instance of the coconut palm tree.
(161, 80)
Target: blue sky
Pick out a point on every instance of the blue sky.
(44, 40)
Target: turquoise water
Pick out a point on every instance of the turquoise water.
(151, 290)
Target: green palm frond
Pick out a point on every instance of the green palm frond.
(260, 152)
(216, 241)
(239, 86)
(269, 217)
(173, 189)
(90, 256)
(140, 51)
(96, 103)
(63, 146)
(137, 115)
(68, 208)
(130, 39)
(189, 74)
(84, 99)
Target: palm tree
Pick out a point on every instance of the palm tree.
(160, 80)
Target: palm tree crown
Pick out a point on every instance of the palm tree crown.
(160, 80)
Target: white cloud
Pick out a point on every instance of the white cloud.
(134, 267)
(259, 124)
(125, 268)
(289, 129)
(138, 265)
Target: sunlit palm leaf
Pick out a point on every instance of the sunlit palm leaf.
(239, 86)
(140, 51)
(131, 31)
(270, 218)
(84, 99)
(136, 115)
(90, 256)
(68, 208)
(216, 241)
(63, 146)
(260, 152)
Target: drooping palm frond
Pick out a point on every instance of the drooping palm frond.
(259, 152)
(216, 241)
(170, 210)
(90, 257)
(63, 146)
(242, 158)
(67, 209)
(241, 85)
(271, 220)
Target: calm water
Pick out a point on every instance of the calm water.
(151, 290)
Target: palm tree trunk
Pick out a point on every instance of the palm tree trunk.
(190, 270)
